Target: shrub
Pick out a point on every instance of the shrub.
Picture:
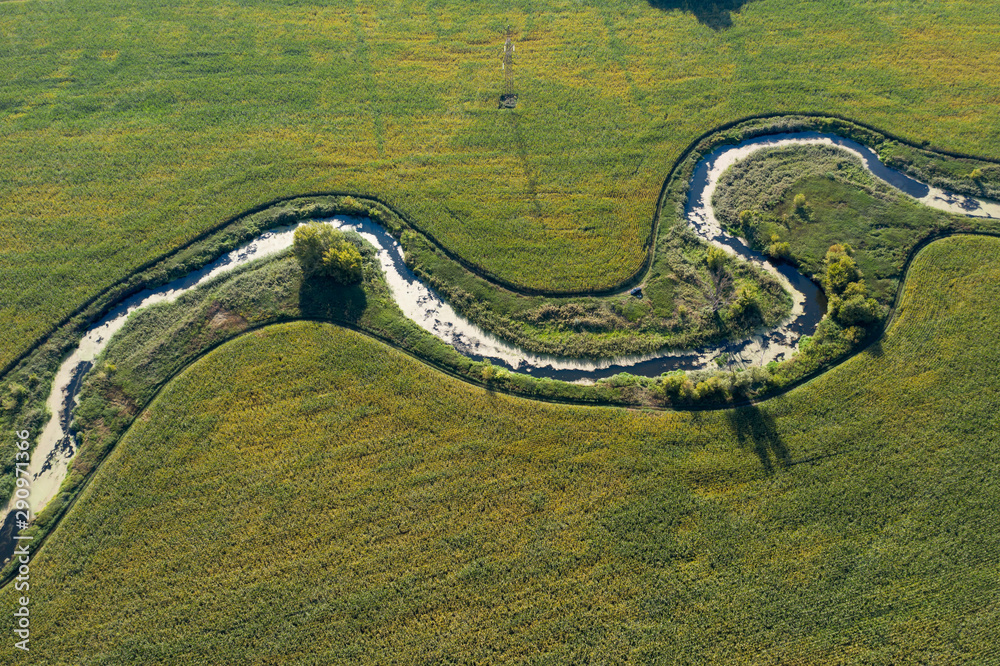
(854, 310)
(749, 221)
(841, 269)
(716, 259)
(743, 383)
(351, 206)
(488, 372)
(745, 307)
(672, 385)
(14, 398)
(713, 389)
(780, 250)
(322, 250)
(623, 379)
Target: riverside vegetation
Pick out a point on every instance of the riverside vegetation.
(26, 387)
(131, 127)
(310, 494)
(158, 341)
(818, 208)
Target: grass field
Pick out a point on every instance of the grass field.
(304, 493)
(130, 127)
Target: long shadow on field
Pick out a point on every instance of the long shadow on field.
(716, 14)
(529, 173)
(323, 298)
(755, 429)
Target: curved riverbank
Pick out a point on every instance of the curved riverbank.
(55, 448)
(422, 304)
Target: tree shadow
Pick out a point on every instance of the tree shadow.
(755, 429)
(322, 298)
(716, 14)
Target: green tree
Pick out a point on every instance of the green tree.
(342, 262)
(746, 306)
(716, 259)
(322, 250)
(849, 304)
(779, 250)
(853, 309)
(713, 389)
(841, 269)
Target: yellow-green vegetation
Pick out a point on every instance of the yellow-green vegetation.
(305, 494)
(159, 341)
(130, 127)
(324, 251)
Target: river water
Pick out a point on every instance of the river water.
(56, 446)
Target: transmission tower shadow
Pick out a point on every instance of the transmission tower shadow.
(508, 99)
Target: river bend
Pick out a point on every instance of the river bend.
(56, 447)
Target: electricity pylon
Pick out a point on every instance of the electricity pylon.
(508, 99)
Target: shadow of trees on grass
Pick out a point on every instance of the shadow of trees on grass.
(716, 14)
(323, 298)
(755, 430)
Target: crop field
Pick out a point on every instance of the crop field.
(347, 488)
(304, 492)
(131, 127)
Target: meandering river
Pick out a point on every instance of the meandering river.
(56, 446)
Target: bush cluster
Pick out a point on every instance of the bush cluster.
(322, 250)
(849, 304)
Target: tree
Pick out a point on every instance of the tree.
(841, 269)
(324, 251)
(343, 263)
(853, 308)
(802, 208)
(746, 306)
(848, 304)
(779, 250)
(713, 389)
(716, 259)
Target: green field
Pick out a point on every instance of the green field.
(252, 489)
(304, 493)
(130, 127)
